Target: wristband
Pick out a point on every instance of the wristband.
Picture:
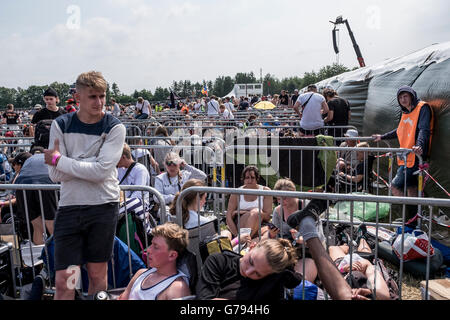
(55, 157)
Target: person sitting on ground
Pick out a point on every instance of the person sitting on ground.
(363, 271)
(347, 159)
(359, 174)
(190, 206)
(251, 209)
(163, 281)
(286, 207)
(177, 173)
(261, 274)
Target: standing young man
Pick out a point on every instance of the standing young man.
(414, 132)
(84, 149)
(313, 106)
(51, 110)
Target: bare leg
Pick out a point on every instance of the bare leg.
(337, 252)
(49, 224)
(310, 271)
(364, 246)
(98, 276)
(251, 220)
(382, 288)
(412, 191)
(65, 283)
(396, 192)
(38, 230)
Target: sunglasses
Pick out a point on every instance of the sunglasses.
(171, 163)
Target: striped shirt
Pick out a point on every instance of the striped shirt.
(90, 152)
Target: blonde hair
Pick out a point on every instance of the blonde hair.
(91, 79)
(172, 156)
(126, 151)
(187, 200)
(175, 236)
(279, 253)
(284, 184)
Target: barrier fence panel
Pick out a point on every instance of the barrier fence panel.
(331, 198)
(201, 157)
(28, 254)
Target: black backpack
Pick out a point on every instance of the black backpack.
(42, 133)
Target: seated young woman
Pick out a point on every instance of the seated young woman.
(162, 281)
(261, 274)
(190, 206)
(252, 209)
(287, 206)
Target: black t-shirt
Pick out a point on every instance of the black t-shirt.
(243, 105)
(341, 108)
(220, 278)
(294, 98)
(284, 99)
(11, 117)
(45, 114)
(254, 99)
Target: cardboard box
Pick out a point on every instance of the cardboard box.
(438, 289)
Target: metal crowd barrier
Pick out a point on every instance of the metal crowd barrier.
(271, 163)
(330, 197)
(9, 230)
(201, 157)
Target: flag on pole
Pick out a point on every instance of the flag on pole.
(205, 90)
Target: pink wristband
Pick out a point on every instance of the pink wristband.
(55, 157)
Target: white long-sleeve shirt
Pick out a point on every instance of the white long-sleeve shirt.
(90, 152)
(168, 187)
(138, 176)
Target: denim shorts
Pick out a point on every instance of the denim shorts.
(411, 180)
(84, 234)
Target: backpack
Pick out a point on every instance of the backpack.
(42, 133)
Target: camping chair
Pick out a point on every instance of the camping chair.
(197, 235)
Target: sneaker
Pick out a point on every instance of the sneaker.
(361, 233)
(344, 238)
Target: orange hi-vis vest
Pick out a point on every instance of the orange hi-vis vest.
(406, 133)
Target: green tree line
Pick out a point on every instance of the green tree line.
(222, 85)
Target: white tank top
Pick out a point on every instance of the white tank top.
(151, 293)
(248, 205)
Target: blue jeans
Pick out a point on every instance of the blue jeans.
(411, 180)
(141, 116)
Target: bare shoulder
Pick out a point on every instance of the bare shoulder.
(266, 188)
(179, 288)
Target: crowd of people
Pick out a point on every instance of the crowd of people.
(82, 147)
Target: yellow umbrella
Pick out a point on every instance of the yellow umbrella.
(264, 105)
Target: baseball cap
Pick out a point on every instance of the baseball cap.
(351, 133)
(21, 158)
(37, 106)
(50, 92)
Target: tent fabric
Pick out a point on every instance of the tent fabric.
(371, 92)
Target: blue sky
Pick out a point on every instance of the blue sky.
(143, 44)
